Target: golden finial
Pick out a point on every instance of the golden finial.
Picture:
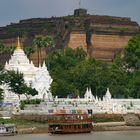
(18, 43)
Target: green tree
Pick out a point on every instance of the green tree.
(7, 49)
(124, 69)
(132, 54)
(2, 47)
(134, 85)
(102, 78)
(16, 82)
(119, 79)
(29, 50)
(30, 91)
(11, 49)
(49, 45)
(72, 73)
(38, 42)
(61, 62)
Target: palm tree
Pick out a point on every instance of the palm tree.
(29, 50)
(48, 43)
(38, 41)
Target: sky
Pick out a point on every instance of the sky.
(11, 11)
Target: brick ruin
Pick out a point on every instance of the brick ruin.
(102, 37)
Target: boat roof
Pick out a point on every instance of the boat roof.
(7, 125)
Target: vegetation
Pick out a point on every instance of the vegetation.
(10, 49)
(33, 101)
(23, 103)
(118, 28)
(21, 122)
(38, 42)
(131, 58)
(17, 84)
(48, 43)
(73, 72)
(7, 49)
(42, 41)
(18, 30)
(29, 50)
(107, 118)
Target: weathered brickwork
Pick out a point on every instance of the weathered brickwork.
(77, 39)
(105, 35)
(104, 47)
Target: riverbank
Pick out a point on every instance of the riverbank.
(34, 123)
(114, 126)
(32, 129)
(110, 126)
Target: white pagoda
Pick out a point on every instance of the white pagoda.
(88, 95)
(36, 77)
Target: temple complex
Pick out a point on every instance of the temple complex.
(40, 79)
(89, 104)
(36, 77)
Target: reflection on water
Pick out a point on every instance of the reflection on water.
(129, 135)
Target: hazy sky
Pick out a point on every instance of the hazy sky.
(15, 10)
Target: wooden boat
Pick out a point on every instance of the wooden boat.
(7, 129)
(69, 123)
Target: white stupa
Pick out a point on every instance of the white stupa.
(89, 95)
(107, 96)
(37, 77)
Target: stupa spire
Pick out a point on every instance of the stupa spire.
(18, 43)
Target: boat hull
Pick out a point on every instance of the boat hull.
(7, 134)
(69, 124)
(69, 132)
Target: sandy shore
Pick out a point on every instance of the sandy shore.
(113, 126)
(34, 129)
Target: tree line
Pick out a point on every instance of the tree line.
(73, 71)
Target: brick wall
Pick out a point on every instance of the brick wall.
(77, 39)
(104, 47)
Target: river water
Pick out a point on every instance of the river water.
(121, 135)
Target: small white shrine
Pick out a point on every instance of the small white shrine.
(88, 94)
(36, 77)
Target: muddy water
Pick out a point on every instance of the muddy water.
(121, 135)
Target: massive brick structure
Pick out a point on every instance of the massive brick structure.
(100, 36)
